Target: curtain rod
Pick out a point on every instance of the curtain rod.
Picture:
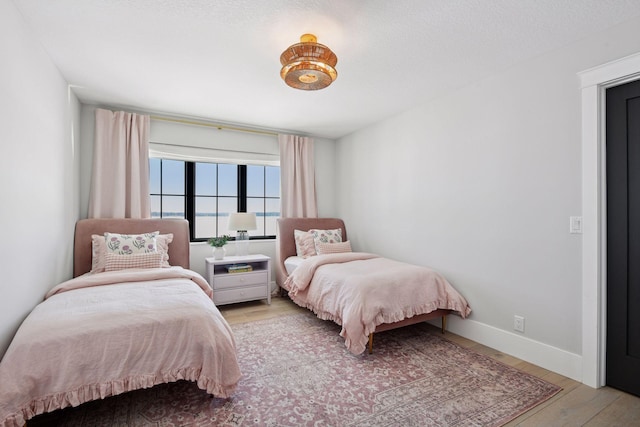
(217, 126)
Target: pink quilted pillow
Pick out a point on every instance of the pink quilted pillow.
(305, 246)
(334, 248)
(115, 262)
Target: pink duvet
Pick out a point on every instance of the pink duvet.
(360, 291)
(108, 333)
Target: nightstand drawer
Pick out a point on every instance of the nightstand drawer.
(241, 294)
(236, 280)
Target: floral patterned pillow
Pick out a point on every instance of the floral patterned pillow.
(99, 250)
(326, 236)
(129, 244)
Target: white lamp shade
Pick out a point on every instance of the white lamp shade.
(242, 221)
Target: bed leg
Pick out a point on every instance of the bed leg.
(444, 323)
(371, 343)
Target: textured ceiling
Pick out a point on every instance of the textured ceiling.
(219, 59)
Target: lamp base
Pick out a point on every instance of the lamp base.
(242, 243)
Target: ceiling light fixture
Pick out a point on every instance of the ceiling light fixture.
(308, 65)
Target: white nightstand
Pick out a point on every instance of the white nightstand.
(242, 286)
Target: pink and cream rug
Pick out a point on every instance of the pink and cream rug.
(297, 372)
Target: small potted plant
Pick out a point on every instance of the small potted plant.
(218, 245)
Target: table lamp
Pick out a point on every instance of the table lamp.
(241, 222)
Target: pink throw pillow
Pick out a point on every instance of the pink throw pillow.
(305, 246)
(334, 248)
(115, 261)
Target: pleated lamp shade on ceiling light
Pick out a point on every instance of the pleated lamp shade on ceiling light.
(308, 65)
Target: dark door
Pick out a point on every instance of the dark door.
(623, 237)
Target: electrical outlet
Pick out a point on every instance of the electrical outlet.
(518, 323)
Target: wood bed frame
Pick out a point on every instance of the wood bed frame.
(286, 247)
(178, 249)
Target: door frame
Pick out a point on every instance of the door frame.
(594, 83)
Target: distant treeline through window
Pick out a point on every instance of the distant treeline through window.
(206, 193)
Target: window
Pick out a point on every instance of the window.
(206, 193)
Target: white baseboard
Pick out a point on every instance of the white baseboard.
(548, 357)
(540, 354)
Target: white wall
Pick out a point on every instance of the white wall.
(38, 173)
(174, 133)
(480, 185)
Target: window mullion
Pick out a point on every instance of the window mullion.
(264, 200)
(190, 200)
(242, 188)
(161, 188)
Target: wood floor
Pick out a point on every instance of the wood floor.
(576, 405)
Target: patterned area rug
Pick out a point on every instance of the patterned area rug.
(297, 372)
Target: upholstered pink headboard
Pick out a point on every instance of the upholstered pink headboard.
(286, 244)
(178, 248)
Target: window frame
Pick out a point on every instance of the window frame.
(190, 195)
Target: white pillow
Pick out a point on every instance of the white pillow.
(292, 263)
(129, 244)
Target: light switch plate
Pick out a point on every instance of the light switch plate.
(575, 224)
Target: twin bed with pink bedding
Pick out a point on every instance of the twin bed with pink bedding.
(114, 328)
(105, 333)
(363, 292)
